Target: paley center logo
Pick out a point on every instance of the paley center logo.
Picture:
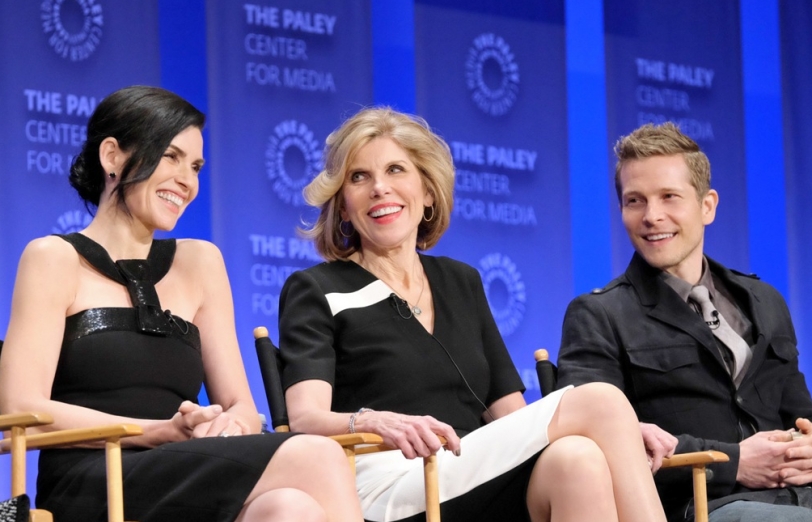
(492, 74)
(73, 27)
(292, 160)
(71, 221)
(505, 291)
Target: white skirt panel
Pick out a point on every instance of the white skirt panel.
(391, 487)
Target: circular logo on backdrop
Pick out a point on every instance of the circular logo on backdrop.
(492, 74)
(505, 291)
(292, 160)
(71, 221)
(73, 27)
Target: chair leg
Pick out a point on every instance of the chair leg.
(432, 485)
(349, 451)
(17, 460)
(115, 491)
(700, 494)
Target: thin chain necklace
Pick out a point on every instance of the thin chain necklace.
(416, 310)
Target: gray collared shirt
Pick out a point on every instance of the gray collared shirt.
(721, 299)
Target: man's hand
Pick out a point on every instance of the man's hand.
(797, 468)
(658, 442)
(762, 457)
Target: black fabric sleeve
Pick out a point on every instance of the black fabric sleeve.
(589, 351)
(305, 331)
(795, 398)
(504, 378)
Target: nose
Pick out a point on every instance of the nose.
(653, 213)
(380, 185)
(187, 181)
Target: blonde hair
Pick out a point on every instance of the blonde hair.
(426, 150)
(663, 140)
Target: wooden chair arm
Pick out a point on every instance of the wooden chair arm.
(66, 437)
(24, 420)
(353, 439)
(355, 444)
(692, 459)
(368, 442)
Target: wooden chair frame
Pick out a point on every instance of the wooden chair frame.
(697, 460)
(19, 442)
(353, 443)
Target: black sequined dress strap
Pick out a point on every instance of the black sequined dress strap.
(138, 275)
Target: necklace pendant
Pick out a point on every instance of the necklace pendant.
(416, 310)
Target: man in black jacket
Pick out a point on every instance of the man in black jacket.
(706, 355)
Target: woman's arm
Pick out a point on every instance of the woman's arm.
(307, 338)
(46, 286)
(226, 381)
(416, 436)
(504, 406)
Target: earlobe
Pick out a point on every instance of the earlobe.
(428, 199)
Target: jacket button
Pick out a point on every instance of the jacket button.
(708, 474)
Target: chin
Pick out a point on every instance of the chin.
(657, 260)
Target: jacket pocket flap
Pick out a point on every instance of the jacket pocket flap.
(664, 358)
(784, 348)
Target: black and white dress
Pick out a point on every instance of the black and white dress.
(339, 323)
(142, 362)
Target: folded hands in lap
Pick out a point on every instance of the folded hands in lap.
(193, 421)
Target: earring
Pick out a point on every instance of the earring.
(112, 175)
(341, 229)
(432, 214)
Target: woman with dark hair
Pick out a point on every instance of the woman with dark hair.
(385, 339)
(92, 341)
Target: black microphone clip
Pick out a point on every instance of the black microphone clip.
(398, 301)
(714, 324)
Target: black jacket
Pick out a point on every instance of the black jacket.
(639, 335)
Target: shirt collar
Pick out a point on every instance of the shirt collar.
(683, 287)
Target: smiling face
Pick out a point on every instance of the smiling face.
(384, 196)
(664, 216)
(160, 200)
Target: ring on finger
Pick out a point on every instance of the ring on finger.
(223, 434)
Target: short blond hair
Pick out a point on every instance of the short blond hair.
(426, 150)
(663, 140)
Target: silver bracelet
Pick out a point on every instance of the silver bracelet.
(354, 415)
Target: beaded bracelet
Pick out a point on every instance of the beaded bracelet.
(354, 415)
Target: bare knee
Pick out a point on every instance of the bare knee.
(312, 451)
(308, 463)
(601, 399)
(282, 505)
(572, 458)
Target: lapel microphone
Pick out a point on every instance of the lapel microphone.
(398, 302)
(714, 324)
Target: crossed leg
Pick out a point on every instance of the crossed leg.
(596, 450)
(307, 480)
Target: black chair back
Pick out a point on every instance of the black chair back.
(270, 365)
(546, 371)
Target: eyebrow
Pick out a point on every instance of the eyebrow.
(182, 153)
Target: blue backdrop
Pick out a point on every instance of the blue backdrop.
(531, 95)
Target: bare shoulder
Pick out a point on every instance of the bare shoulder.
(51, 252)
(49, 269)
(198, 251)
(199, 258)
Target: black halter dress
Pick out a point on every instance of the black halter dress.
(142, 362)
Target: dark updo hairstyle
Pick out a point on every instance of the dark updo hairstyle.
(144, 120)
